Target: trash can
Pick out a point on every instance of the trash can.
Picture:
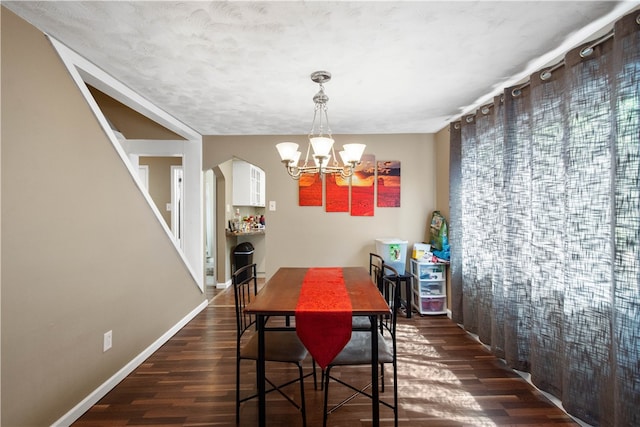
(242, 256)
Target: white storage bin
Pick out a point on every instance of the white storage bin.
(431, 272)
(432, 288)
(434, 305)
(393, 252)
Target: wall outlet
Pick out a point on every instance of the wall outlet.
(106, 343)
(272, 205)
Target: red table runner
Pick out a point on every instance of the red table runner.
(324, 313)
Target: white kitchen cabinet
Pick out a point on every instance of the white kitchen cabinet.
(248, 184)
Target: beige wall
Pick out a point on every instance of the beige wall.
(82, 253)
(301, 236)
(223, 197)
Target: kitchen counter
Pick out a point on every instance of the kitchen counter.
(245, 233)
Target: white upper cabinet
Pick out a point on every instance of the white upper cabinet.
(248, 184)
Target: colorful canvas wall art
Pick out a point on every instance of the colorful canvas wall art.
(388, 184)
(337, 193)
(310, 190)
(362, 187)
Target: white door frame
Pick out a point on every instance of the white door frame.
(177, 203)
(143, 173)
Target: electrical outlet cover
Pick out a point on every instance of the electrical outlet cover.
(107, 342)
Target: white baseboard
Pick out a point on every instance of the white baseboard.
(224, 285)
(86, 403)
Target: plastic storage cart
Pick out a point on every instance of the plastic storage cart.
(429, 287)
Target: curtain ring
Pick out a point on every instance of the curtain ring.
(638, 19)
(469, 119)
(587, 51)
(545, 75)
(456, 125)
(516, 92)
(485, 110)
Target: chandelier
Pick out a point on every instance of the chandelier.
(323, 159)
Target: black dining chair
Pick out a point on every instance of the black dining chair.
(375, 270)
(280, 346)
(376, 262)
(358, 350)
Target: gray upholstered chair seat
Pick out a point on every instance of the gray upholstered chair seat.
(358, 350)
(280, 346)
(360, 322)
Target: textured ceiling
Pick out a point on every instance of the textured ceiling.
(242, 68)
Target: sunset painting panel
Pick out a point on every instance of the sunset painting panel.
(389, 184)
(362, 187)
(337, 189)
(310, 190)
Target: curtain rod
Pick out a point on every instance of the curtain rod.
(545, 74)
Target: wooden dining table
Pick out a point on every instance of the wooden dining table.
(279, 297)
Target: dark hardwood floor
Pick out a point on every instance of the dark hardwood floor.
(446, 378)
